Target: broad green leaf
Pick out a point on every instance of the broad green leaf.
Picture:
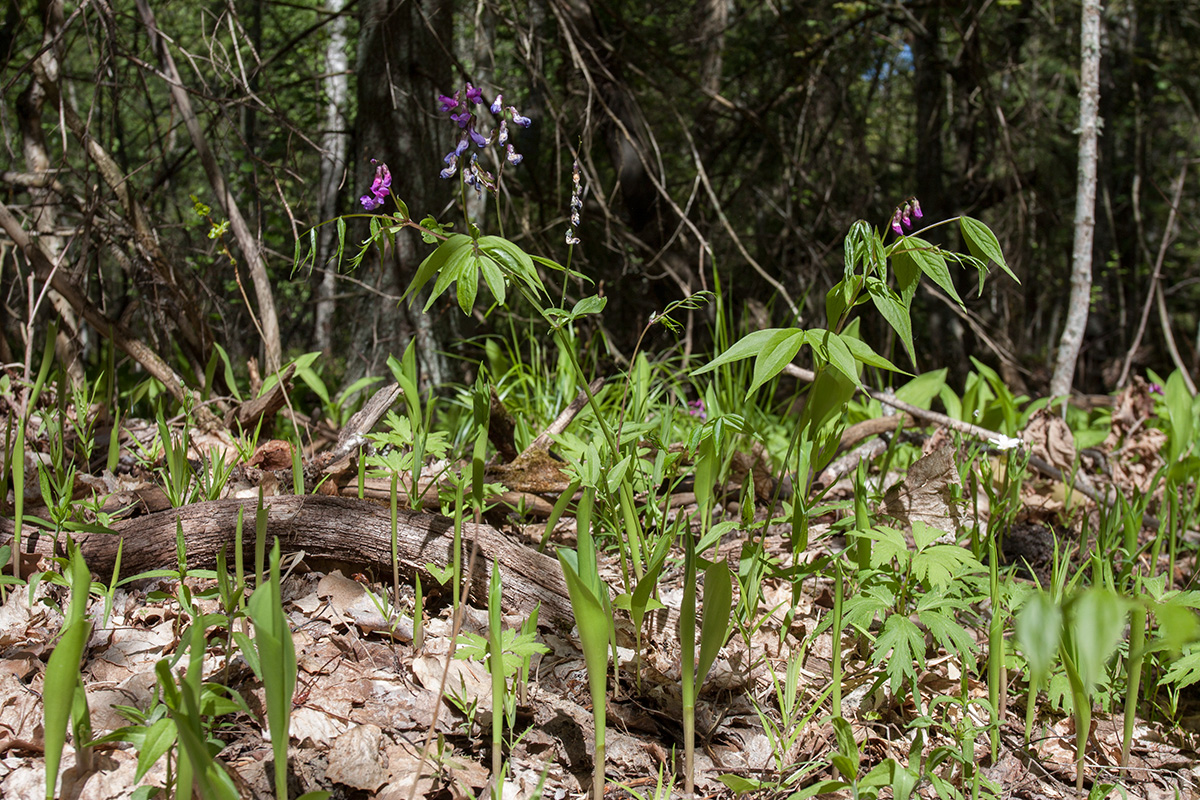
(592, 304)
(157, 740)
(983, 243)
(494, 278)
(931, 262)
(718, 602)
(921, 390)
(749, 345)
(893, 309)
(846, 746)
(1039, 631)
(593, 622)
(777, 352)
(434, 262)
(468, 285)
(1095, 622)
(838, 353)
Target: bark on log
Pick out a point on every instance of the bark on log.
(336, 529)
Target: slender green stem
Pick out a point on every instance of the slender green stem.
(1137, 652)
(838, 594)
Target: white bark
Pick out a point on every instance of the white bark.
(1085, 202)
(334, 143)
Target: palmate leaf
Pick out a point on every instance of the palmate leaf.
(1186, 670)
(901, 648)
(952, 637)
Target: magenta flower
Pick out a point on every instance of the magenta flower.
(379, 188)
(474, 94)
(696, 409)
(902, 217)
(448, 103)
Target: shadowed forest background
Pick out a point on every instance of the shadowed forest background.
(734, 139)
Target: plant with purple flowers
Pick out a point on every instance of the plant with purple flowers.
(462, 113)
(905, 213)
(380, 188)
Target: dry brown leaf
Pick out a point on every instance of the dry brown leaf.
(927, 493)
(1049, 437)
(355, 758)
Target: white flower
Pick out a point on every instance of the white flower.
(1003, 442)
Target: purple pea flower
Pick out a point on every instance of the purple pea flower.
(916, 209)
(448, 103)
(517, 119)
(896, 222)
(497, 104)
(474, 94)
(696, 409)
(379, 188)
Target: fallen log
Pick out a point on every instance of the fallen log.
(327, 529)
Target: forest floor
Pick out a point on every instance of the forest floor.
(376, 716)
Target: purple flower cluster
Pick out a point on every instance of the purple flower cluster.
(576, 202)
(463, 114)
(696, 409)
(379, 188)
(909, 210)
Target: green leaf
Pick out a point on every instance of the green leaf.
(893, 309)
(949, 635)
(901, 648)
(983, 243)
(718, 601)
(1095, 623)
(930, 260)
(468, 285)
(1186, 670)
(777, 352)
(592, 304)
(942, 564)
(157, 740)
(751, 344)
(836, 351)
(846, 747)
(494, 278)
(921, 390)
(1039, 630)
(435, 261)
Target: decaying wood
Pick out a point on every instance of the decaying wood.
(247, 415)
(327, 529)
(502, 429)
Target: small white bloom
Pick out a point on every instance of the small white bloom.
(1003, 442)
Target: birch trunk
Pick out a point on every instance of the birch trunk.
(334, 143)
(1085, 202)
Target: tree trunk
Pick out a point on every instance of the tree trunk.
(335, 141)
(1085, 202)
(404, 60)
